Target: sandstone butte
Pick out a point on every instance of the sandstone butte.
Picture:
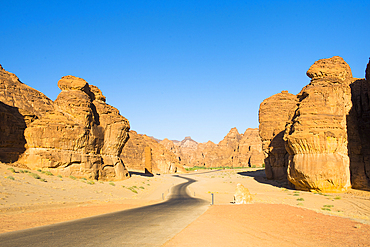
(161, 160)
(319, 139)
(76, 135)
(235, 150)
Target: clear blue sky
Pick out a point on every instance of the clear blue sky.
(182, 68)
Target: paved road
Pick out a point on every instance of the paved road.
(145, 226)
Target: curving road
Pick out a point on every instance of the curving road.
(145, 226)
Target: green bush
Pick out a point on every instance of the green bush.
(141, 187)
(300, 199)
(90, 182)
(132, 189)
(59, 176)
(48, 173)
(263, 165)
(34, 175)
(11, 169)
(10, 177)
(72, 177)
(111, 183)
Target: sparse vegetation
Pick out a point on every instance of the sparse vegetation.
(337, 198)
(326, 209)
(133, 189)
(111, 183)
(11, 169)
(72, 177)
(90, 182)
(34, 175)
(216, 168)
(141, 187)
(300, 199)
(59, 176)
(47, 173)
(39, 170)
(10, 177)
(300, 204)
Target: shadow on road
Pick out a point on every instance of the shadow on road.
(260, 177)
(150, 225)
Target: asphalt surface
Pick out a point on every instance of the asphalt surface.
(151, 225)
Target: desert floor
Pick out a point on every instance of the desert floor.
(279, 216)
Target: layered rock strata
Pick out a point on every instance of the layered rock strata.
(358, 132)
(326, 132)
(316, 137)
(274, 113)
(137, 159)
(78, 134)
(20, 105)
(235, 150)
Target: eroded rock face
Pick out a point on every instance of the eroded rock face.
(235, 150)
(162, 160)
(316, 137)
(358, 132)
(78, 134)
(20, 105)
(274, 113)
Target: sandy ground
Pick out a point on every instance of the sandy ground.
(279, 216)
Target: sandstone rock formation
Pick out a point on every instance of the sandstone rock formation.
(235, 150)
(242, 195)
(327, 134)
(78, 134)
(162, 160)
(19, 106)
(317, 134)
(274, 113)
(358, 132)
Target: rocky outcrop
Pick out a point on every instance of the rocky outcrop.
(327, 135)
(20, 105)
(161, 159)
(78, 134)
(358, 132)
(235, 150)
(274, 113)
(316, 137)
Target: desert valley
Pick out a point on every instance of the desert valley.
(303, 176)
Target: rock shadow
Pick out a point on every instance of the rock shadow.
(143, 174)
(358, 135)
(260, 177)
(12, 140)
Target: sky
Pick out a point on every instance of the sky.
(182, 68)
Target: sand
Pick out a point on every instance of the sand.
(279, 216)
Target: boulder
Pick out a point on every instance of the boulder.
(274, 113)
(242, 195)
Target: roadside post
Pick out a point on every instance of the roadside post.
(212, 199)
